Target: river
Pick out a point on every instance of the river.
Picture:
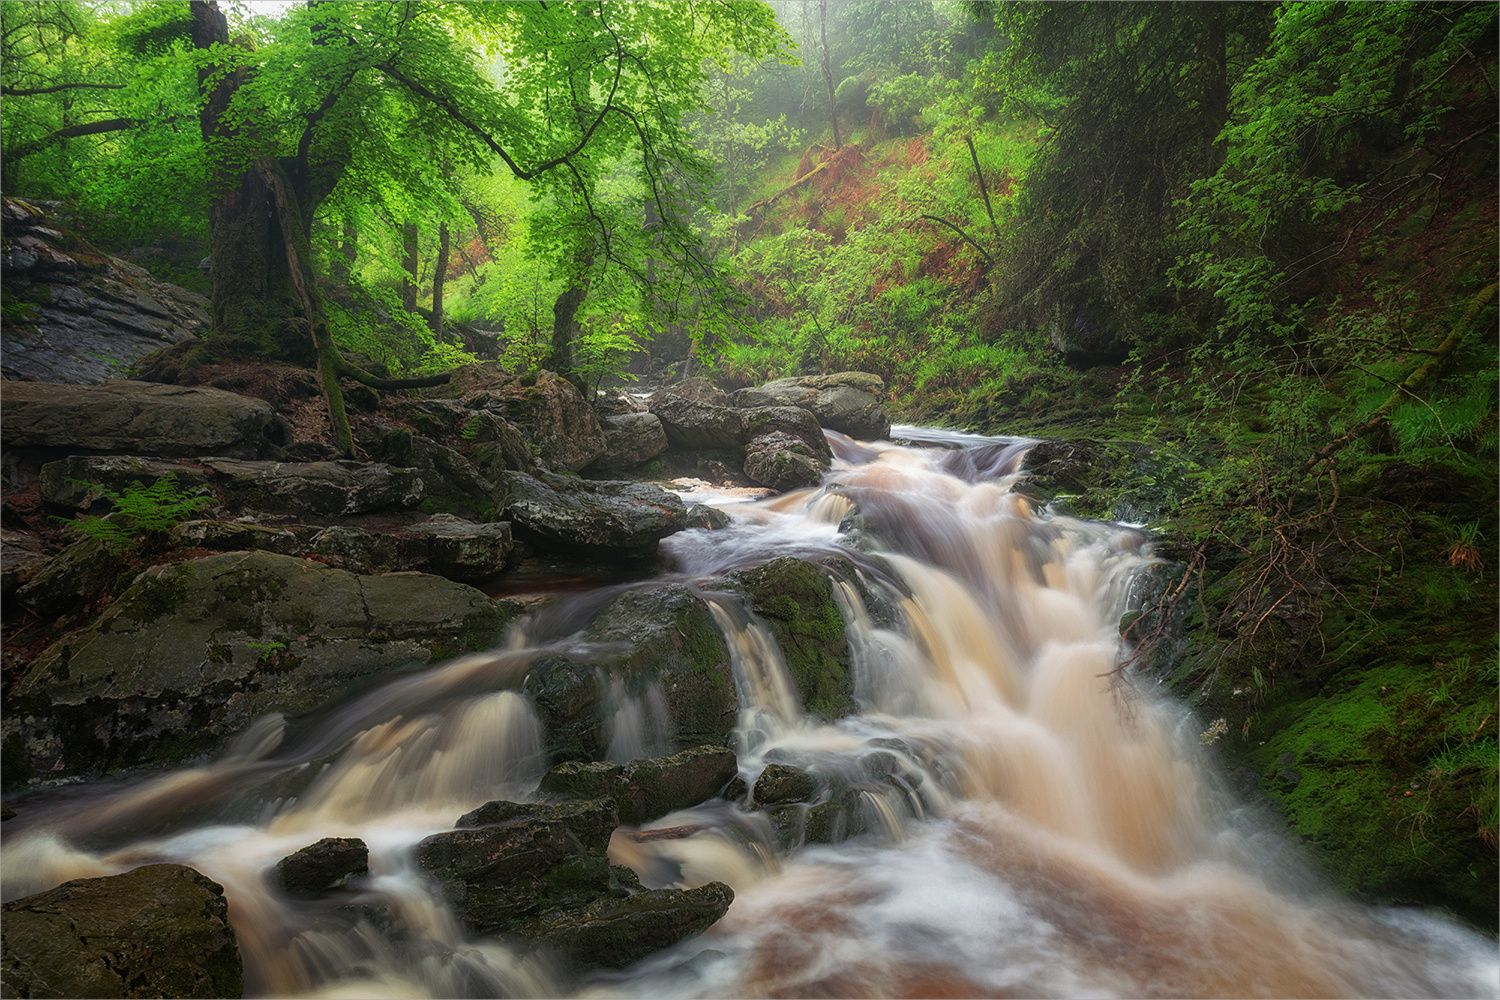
(1025, 816)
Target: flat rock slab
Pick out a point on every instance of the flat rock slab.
(193, 651)
(609, 518)
(135, 418)
(329, 489)
(156, 931)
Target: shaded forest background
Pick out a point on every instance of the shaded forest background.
(1257, 239)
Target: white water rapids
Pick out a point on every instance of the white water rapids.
(1022, 818)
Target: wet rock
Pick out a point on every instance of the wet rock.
(620, 932)
(644, 790)
(320, 867)
(463, 550)
(496, 444)
(539, 875)
(772, 460)
(568, 695)
(139, 418)
(21, 557)
(795, 600)
(785, 448)
(617, 402)
(631, 439)
(508, 861)
(84, 316)
(669, 637)
(76, 575)
(75, 481)
(701, 515)
(326, 489)
(847, 402)
(557, 421)
(357, 550)
(192, 651)
(695, 415)
(156, 931)
(589, 823)
(621, 519)
(229, 536)
(778, 784)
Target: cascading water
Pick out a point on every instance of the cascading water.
(1009, 813)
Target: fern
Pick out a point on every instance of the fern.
(144, 509)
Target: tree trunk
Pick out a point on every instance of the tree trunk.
(251, 290)
(439, 276)
(264, 295)
(409, 264)
(833, 108)
(565, 331)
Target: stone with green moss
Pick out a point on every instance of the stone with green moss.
(795, 600)
(155, 931)
(192, 651)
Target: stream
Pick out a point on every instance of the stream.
(1022, 815)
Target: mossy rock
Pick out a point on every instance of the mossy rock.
(795, 600)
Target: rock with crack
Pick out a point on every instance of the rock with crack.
(847, 402)
(631, 439)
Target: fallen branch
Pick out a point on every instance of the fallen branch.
(1411, 383)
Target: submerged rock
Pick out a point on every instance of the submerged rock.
(156, 931)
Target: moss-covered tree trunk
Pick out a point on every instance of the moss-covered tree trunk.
(265, 298)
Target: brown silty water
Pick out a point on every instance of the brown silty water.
(1022, 817)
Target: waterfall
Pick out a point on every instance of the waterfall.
(1008, 811)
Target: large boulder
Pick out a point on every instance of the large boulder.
(75, 315)
(785, 448)
(847, 402)
(192, 651)
(608, 518)
(695, 414)
(137, 418)
(631, 439)
(795, 600)
(156, 931)
(552, 414)
(328, 489)
(667, 636)
(644, 790)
